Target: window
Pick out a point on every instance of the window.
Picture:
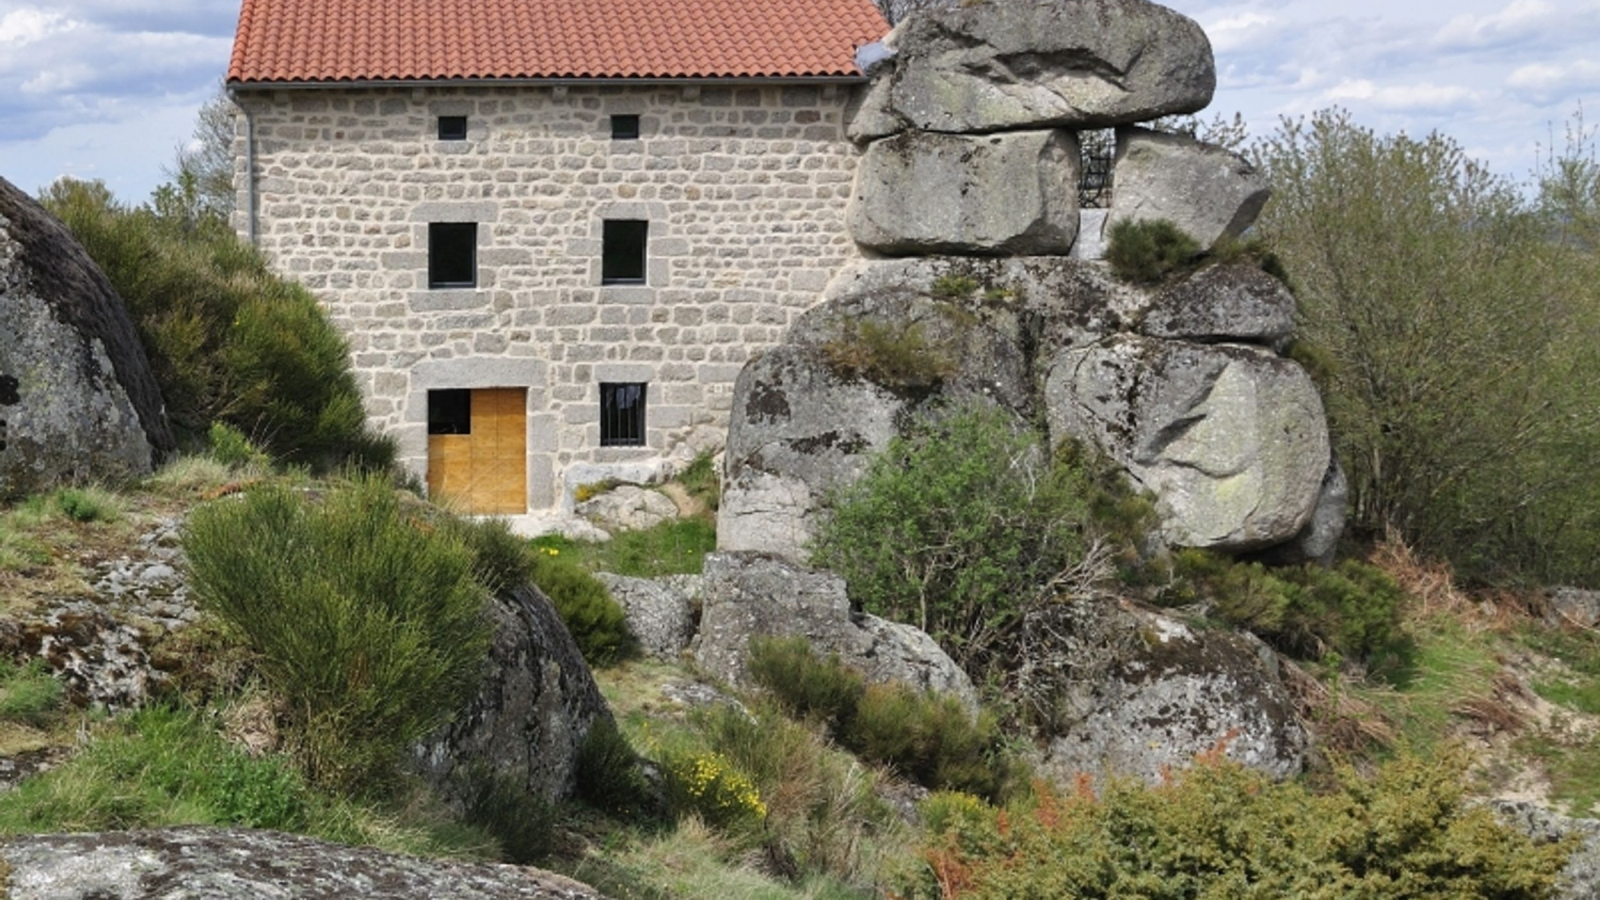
(452, 254)
(624, 128)
(622, 415)
(452, 128)
(622, 253)
(450, 412)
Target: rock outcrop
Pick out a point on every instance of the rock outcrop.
(660, 611)
(1000, 66)
(1580, 880)
(77, 399)
(238, 864)
(1230, 438)
(1015, 193)
(1127, 691)
(530, 717)
(747, 595)
(628, 507)
(1207, 191)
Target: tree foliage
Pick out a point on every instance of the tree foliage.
(1460, 341)
(204, 167)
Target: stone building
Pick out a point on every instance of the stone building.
(552, 230)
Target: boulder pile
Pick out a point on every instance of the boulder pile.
(978, 285)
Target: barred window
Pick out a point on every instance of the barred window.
(622, 415)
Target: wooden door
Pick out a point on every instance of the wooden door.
(485, 471)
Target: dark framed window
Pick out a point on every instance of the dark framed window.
(622, 253)
(622, 414)
(452, 128)
(452, 254)
(450, 412)
(624, 128)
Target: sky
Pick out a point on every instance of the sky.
(109, 89)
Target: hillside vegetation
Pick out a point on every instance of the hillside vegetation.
(1450, 322)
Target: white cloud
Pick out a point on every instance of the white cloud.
(28, 25)
(1401, 97)
(1520, 21)
(1545, 77)
(1240, 31)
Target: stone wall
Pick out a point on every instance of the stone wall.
(745, 190)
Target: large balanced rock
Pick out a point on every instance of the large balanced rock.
(1131, 692)
(1208, 192)
(527, 722)
(747, 595)
(922, 193)
(1231, 438)
(239, 864)
(77, 400)
(998, 66)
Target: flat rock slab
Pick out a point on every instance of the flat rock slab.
(920, 193)
(1235, 301)
(237, 864)
(1230, 438)
(1014, 64)
(1208, 192)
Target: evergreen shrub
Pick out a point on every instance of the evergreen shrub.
(366, 623)
(1146, 251)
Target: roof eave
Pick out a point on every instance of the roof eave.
(239, 85)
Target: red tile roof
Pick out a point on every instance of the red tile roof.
(380, 40)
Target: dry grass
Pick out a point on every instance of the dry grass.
(1343, 714)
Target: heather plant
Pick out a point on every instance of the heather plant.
(1147, 251)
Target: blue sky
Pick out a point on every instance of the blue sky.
(109, 88)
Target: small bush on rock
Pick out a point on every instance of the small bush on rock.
(900, 359)
(1352, 609)
(366, 623)
(1147, 251)
(928, 737)
(962, 525)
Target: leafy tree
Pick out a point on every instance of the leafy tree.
(203, 171)
(1459, 343)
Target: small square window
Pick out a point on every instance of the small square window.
(450, 412)
(452, 128)
(622, 415)
(622, 253)
(452, 254)
(624, 128)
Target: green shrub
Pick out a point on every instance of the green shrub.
(227, 340)
(1146, 251)
(808, 687)
(231, 447)
(368, 625)
(932, 739)
(928, 737)
(88, 504)
(595, 620)
(501, 559)
(954, 287)
(1352, 609)
(898, 358)
(609, 775)
(959, 527)
(29, 693)
(521, 823)
(1219, 830)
